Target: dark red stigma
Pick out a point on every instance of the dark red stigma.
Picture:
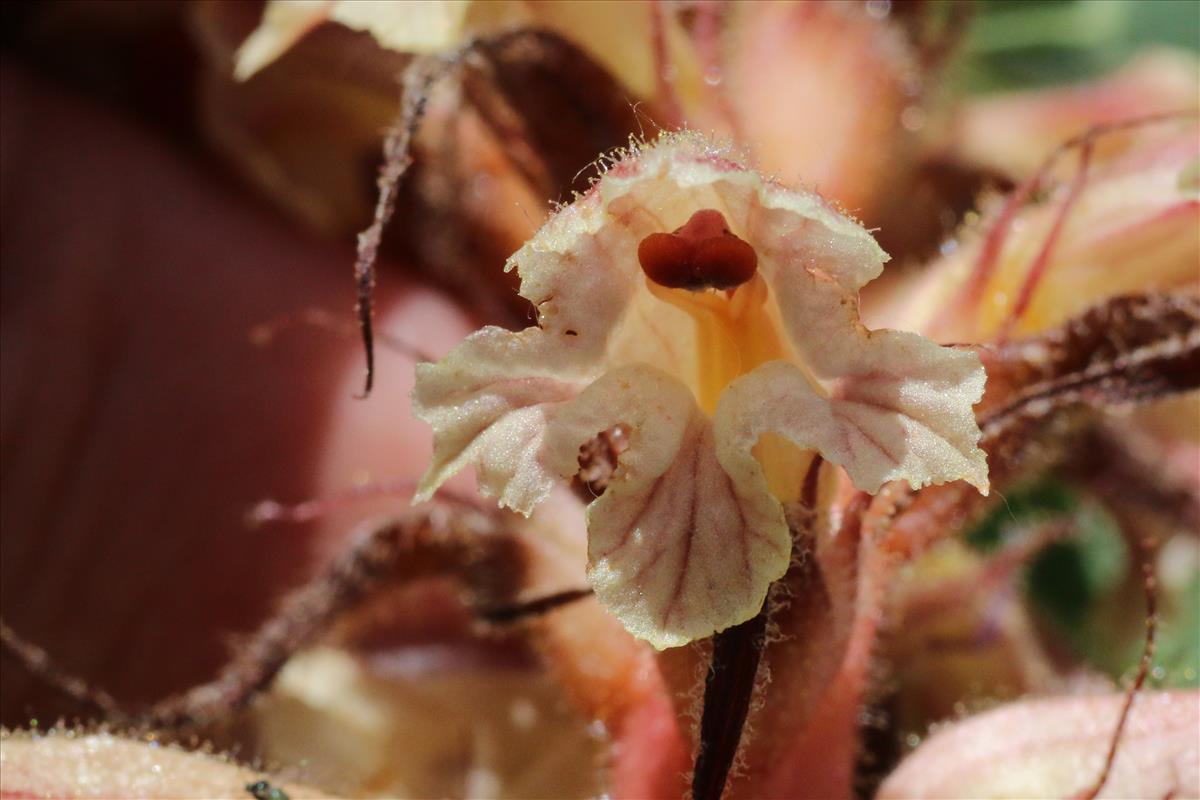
(703, 254)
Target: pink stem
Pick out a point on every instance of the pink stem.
(314, 508)
(1038, 268)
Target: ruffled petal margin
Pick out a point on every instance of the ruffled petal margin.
(906, 417)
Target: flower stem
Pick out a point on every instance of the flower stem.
(732, 675)
(728, 688)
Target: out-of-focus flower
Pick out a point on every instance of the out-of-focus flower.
(1012, 132)
(1110, 228)
(707, 64)
(1109, 225)
(427, 722)
(70, 763)
(856, 102)
(618, 41)
(966, 637)
(725, 334)
(1055, 748)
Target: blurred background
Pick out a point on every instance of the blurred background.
(157, 209)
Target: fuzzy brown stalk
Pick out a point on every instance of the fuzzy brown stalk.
(38, 662)
(463, 544)
(467, 545)
(418, 81)
(1119, 330)
(1128, 350)
(1131, 349)
(509, 613)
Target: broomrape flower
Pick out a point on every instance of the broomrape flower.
(713, 315)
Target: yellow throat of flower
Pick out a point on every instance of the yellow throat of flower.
(737, 330)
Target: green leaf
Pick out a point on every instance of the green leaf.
(1068, 578)
(1021, 45)
(1177, 661)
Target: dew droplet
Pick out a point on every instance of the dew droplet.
(913, 118)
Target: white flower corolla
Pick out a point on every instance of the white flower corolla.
(725, 384)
